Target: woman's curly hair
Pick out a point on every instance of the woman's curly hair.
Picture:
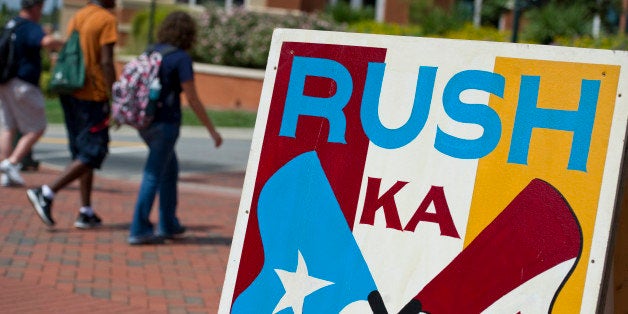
(177, 29)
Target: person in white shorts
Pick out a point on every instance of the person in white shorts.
(21, 100)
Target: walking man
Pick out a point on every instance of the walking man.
(86, 113)
(21, 100)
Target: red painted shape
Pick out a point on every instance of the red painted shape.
(441, 215)
(535, 232)
(343, 163)
(322, 87)
(373, 202)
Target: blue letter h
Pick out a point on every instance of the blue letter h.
(529, 116)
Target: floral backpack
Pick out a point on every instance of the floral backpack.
(131, 104)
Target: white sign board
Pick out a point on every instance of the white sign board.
(405, 175)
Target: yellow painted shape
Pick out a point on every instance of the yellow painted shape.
(498, 182)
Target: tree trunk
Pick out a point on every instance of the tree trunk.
(622, 18)
(477, 13)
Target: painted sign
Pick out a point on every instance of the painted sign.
(413, 175)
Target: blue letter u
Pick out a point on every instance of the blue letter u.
(373, 127)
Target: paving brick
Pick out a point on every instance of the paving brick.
(66, 270)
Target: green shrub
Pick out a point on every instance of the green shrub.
(242, 38)
(435, 20)
(6, 13)
(479, 33)
(372, 27)
(140, 26)
(607, 42)
(492, 11)
(556, 20)
(44, 82)
(342, 12)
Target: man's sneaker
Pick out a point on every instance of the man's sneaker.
(41, 204)
(6, 182)
(29, 164)
(84, 221)
(12, 171)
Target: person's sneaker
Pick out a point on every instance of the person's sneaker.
(29, 164)
(84, 221)
(12, 171)
(6, 182)
(42, 205)
(147, 239)
(178, 234)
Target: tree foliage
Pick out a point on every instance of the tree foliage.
(545, 20)
(435, 20)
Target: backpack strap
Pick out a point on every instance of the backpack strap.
(14, 23)
(78, 26)
(164, 50)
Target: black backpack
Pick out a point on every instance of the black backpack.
(8, 64)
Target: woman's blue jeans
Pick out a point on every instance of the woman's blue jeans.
(161, 173)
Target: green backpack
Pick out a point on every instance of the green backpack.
(68, 74)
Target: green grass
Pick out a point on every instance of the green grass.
(226, 118)
(54, 113)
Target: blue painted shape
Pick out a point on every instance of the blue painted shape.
(298, 211)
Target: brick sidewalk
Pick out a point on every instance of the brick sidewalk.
(66, 270)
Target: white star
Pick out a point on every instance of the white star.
(298, 285)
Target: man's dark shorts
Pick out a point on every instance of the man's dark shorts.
(87, 124)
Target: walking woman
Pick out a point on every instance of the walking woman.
(161, 171)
